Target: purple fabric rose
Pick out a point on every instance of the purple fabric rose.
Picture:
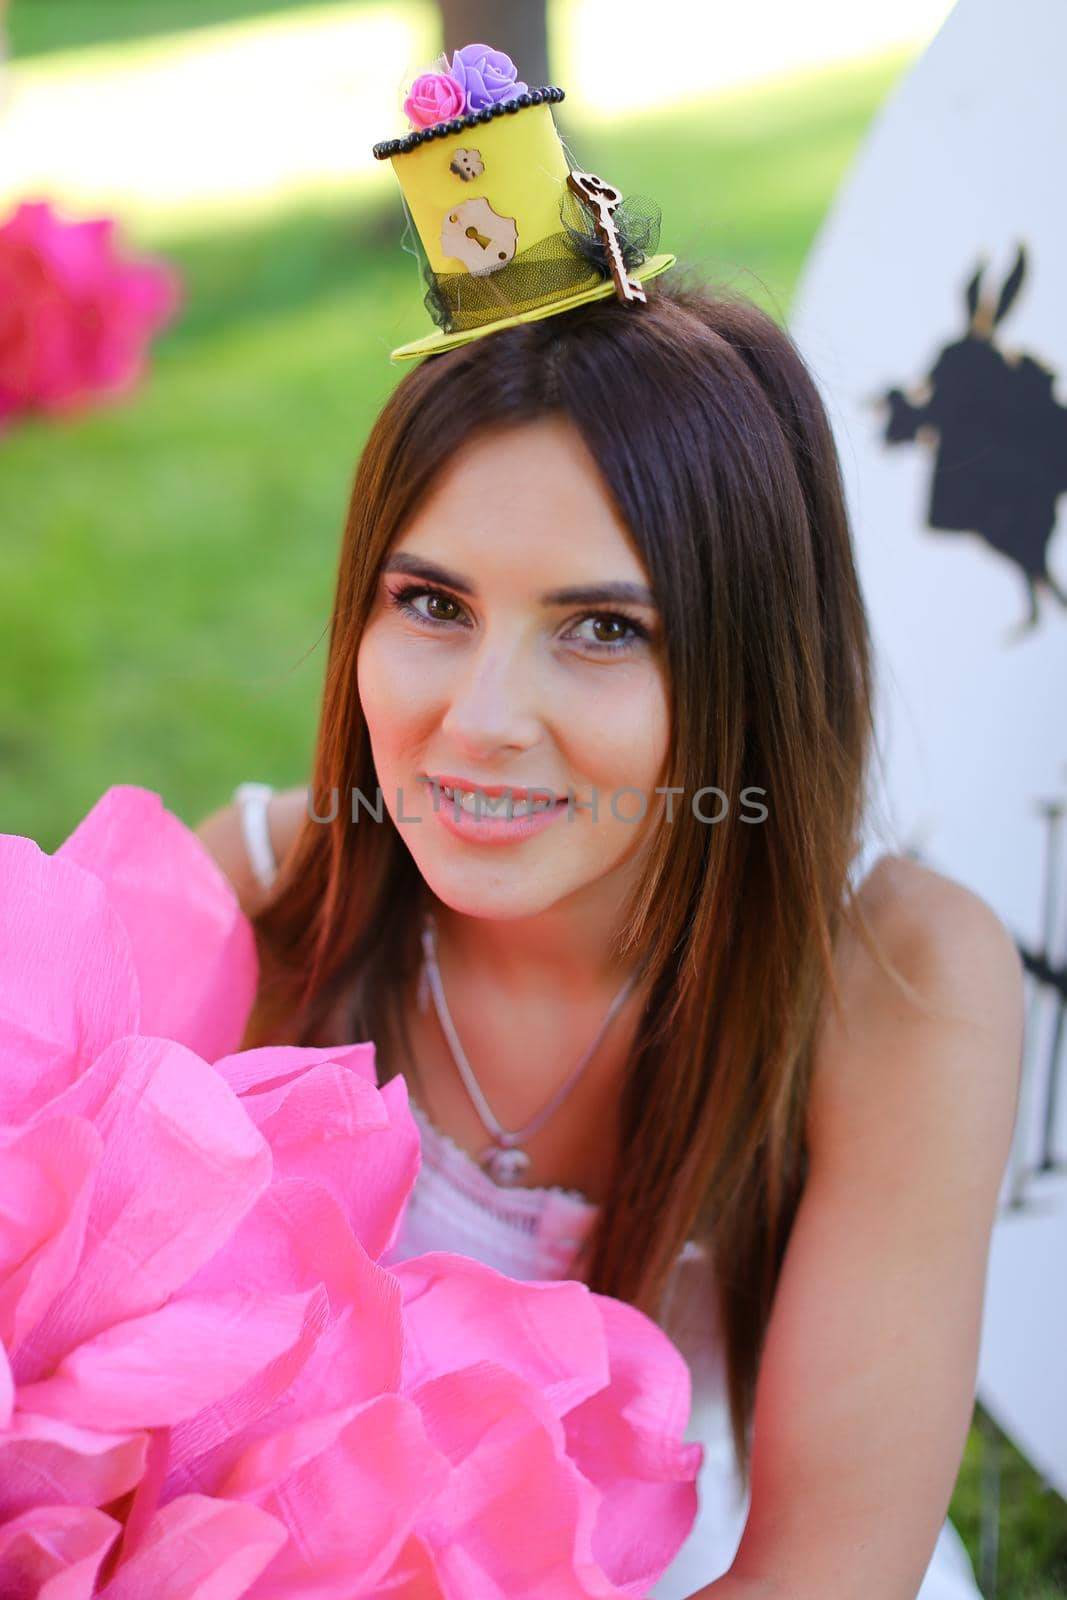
(434, 97)
(486, 76)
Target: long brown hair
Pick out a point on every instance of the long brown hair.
(711, 435)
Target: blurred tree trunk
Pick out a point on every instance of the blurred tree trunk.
(517, 27)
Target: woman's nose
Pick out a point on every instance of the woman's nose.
(492, 701)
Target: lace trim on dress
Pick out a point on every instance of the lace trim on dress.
(520, 1206)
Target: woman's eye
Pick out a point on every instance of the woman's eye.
(614, 626)
(437, 598)
(623, 632)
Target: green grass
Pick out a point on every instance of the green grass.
(41, 27)
(1032, 1521)
(168, 560)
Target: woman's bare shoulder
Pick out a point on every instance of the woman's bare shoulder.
(222, 835)
(965, 976)
(924, 918)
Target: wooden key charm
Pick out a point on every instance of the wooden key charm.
(603, 199)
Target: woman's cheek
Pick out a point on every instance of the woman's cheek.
(623, 738)
(386, 678)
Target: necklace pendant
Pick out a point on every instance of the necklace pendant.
(504, 1166)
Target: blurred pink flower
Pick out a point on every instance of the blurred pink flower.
(75, 315)
(212, 1387)
(434, 97)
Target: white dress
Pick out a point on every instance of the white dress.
(530, 1232)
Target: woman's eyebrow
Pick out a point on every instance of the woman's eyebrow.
(578, 595)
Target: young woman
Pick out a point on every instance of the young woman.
(603, 557)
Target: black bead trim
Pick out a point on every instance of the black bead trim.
(532, 97)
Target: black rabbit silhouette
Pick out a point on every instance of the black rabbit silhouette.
(1001, 436)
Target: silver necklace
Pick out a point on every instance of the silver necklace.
(502, 1159)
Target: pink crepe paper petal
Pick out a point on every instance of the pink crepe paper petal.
(192, 946)
(651, 1385)
(627, 1421)
(159, 1369)
(265, 1465)
(144, 1502)
(197, 1548)
(7, 1389)
(458, 1311)
(627, 1440)
(463, 1576)
(413, 1575)
(47, 1174)
(327, 1098)
(517, 1512)
(45, 1461)
(293, 1238)
(68, 986)
(352, 1506)
(270, 1066)
(296, 1235)
(332, 1125)
(204, 1448)
(182, 1165)
(405, 1131)
(54, 1553)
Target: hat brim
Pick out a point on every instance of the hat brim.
(433, 342)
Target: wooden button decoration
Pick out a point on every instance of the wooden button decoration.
(466, 164)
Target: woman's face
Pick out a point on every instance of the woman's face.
(471, 668)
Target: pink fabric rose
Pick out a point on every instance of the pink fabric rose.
(75, 316)
(434, 97)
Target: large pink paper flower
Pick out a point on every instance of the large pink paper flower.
(75, 316)
(210, 1385)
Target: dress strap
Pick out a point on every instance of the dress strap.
(251, 800)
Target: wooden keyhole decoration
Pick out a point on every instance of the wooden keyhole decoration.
(482, 238)
(478, 236)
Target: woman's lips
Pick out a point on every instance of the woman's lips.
(483, 828)
(451, 780)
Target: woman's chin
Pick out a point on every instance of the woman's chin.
(473, 889)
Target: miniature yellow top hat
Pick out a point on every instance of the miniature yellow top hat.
(506, 231)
